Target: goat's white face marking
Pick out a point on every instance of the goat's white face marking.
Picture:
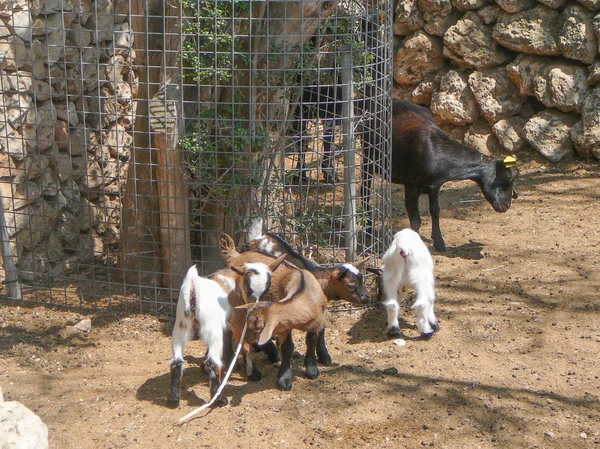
(259, 281)
(351, 268)
(226, 282)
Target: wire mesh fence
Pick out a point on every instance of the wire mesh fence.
(133, 133)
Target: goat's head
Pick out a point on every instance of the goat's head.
(498, 185)
(347, 283)
(260, 325)
(255, 278)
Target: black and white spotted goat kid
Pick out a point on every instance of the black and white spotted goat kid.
(408, 262)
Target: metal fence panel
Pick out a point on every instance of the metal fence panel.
(133, 133)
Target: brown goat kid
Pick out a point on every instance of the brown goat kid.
(339, 282)
(294, 301)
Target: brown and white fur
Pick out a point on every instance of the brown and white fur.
(338, 282)
(294, 301)
(204, 308)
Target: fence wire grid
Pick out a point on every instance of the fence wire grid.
(132, 133)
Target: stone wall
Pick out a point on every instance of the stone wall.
(504, 75)
(65, 129)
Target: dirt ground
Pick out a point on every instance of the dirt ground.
(515, 364)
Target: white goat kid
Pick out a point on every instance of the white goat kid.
(408, 262)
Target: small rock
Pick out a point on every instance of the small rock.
(550, 435)
(390, 371)
(84, 325)
(400, 342)
(583, 435)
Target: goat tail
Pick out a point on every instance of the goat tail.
(227, 247)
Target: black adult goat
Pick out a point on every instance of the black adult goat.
(424, 158)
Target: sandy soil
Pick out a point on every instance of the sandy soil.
(515, 364)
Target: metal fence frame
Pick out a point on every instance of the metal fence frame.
(108, 195)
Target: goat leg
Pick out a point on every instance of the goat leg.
(310, 360)
(284, 375)
(434, 210)
(411, 202)
(251, 370)
(215, 376)
(322, 353)
(175, 390)
(270, 349)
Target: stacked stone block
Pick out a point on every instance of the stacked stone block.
(66, 117)
(504, 75)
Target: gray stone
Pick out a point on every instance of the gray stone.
(479, 136)
(549, 133)
(420, 56)
(80, 36)
(564, 87)
(495, 94)
(408, 18)
(453, 102)
(594, 76)
(512, 6)
(464, 5)
(17, 107)
(593, 5)
(38, 131)
(533, 31)
(554, 4)
(423, 92)
(33, 267)
(11, 141)
(523, 71)
(577, 39)
(437, 25)
(14, 54)
(586, 133)
(441, 7)
(489, 14)
(35, 166)
(41, 222)
(469, 43)
(18, 194)
(509, 133)
(20, 428)
(21, 24)
(119, 142)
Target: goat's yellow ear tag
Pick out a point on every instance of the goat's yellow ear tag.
(510, 161)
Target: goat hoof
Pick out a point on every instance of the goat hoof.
(221, 402)
(435, 326)
(284, 384)
(312, 372)
(255, 376)
(440, 246)
(172, 403)
(325, 360)
(273, 358)
(394, 332)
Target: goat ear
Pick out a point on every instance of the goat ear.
(226, 244)
(246, 306)
(238, 270)
(340, 273)
(360, 263)
(267, 332)
(275, 264)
